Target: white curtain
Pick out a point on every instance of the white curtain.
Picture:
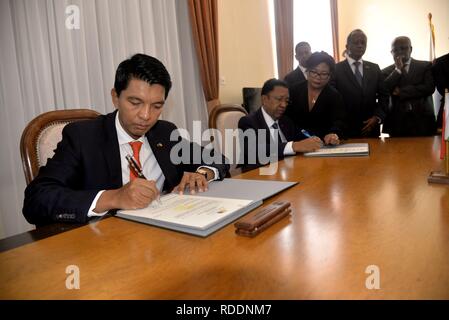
(45, 66)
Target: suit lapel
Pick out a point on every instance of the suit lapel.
(367, 75)
(111, 151)
(262, 124)
(411, 70)
(161, 151)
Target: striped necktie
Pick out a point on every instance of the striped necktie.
(135, 145)
(358, 75)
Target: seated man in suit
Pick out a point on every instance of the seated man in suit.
(410, 84)
(361, 85)
(279, 129)
(89, 175)
(302, 53)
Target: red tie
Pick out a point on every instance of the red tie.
(135, 145)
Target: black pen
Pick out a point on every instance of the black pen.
(134, 166)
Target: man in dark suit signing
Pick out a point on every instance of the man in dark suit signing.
(89, 175)
(410, 85)
(280, 130)
(302, 53)
(361, 84)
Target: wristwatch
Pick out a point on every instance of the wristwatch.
(379, 120)
(203, 172)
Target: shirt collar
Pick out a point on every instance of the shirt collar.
(268, 119)
(122, 135)
(351, 61)
(302, 68)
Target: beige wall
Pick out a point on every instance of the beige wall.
(245, 51)
(246, 56)
(383, 20)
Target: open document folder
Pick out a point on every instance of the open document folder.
(342, 150)
(204, 213)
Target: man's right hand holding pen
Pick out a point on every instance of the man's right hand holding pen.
(136, 194)
(311, 143)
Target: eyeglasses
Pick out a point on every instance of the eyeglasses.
(315, 74)
(281, 99)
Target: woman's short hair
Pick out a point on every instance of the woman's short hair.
(320, 57)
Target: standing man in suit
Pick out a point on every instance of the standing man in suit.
(361, 84)
(280, 130)
(410, 85)
(302, 53)
(89, 175)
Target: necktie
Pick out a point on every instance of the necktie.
(281, 136)
(358, 75)
(135, 145)
(404, 70)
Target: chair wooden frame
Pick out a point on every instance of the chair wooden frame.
(31, 133)
(223, 108)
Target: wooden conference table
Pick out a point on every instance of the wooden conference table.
(348, 214)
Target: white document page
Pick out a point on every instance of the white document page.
(188, 210)
(348, 149)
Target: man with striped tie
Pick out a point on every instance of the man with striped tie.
(89, 174)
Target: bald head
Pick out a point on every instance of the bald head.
(401, 47)
(356, 44)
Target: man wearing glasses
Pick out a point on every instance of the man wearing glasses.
(314, 105)
(279, 129)
(410, 85)
(361, 84)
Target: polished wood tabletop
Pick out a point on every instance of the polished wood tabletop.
(348, 214)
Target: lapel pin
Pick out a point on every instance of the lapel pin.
(159, 145)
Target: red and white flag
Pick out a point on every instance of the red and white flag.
(445, 131)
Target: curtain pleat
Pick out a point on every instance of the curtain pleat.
(44, 66)
(203, 17)
(334, 21)
(283, 10)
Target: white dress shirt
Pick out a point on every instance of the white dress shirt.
(406, 66)
(303, 70)
(351, 64)
(288, 150)
(149, 164)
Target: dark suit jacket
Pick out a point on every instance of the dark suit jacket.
(361, 102)
(256, 121)
(440, 71)
(327, 115)
(411, 113)
(294, 77)
(86, 161)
